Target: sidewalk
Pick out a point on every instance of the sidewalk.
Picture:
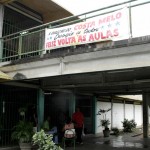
(125, 141)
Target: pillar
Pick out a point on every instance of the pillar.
(40, 108)
(146, 101)
(112, 112)
(94, 114)
(124, 109)
(1, 29)
(134, 110)
(72, 104)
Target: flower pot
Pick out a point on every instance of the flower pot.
(25, 146)
(106, 133)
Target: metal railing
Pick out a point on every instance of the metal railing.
(30, 42)
(11, 99)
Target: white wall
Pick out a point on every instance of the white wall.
(131, 112)
(118, 115)
(138, 115)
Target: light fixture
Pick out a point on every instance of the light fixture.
(24, 32)
(47, 93)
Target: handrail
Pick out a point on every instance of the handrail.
(67, 18)
(30, 42)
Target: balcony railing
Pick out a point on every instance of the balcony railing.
(31, 42)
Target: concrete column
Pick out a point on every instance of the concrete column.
(124, 108)
(133, 111)
(94, 113)
(72, 104)
(1, 29)
(146, 98)
(40, 108)
(111, 112)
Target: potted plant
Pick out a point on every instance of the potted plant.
(104, 122)
(44, 141)
(23, 133)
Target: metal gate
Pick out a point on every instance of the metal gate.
(11, 99)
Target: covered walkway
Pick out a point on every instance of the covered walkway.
(127, 141)
(131, 141)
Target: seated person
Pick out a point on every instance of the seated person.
(68, 129)
(53, 131)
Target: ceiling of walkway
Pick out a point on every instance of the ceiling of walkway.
(118, 82)
(49, 10)
(133, 81)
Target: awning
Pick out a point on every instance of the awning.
(4, 76)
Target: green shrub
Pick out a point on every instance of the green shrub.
(128, 125)
(115, 131)
(22, 132)
(44, 141)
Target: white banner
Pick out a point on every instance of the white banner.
(112, 26)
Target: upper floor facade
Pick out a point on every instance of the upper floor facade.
(35, 36)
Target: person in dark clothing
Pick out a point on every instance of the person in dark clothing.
(33, 118)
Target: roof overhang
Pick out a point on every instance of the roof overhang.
(6, 1)
(4, 77)
(49, 10)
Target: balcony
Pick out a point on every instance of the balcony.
(30, 43)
